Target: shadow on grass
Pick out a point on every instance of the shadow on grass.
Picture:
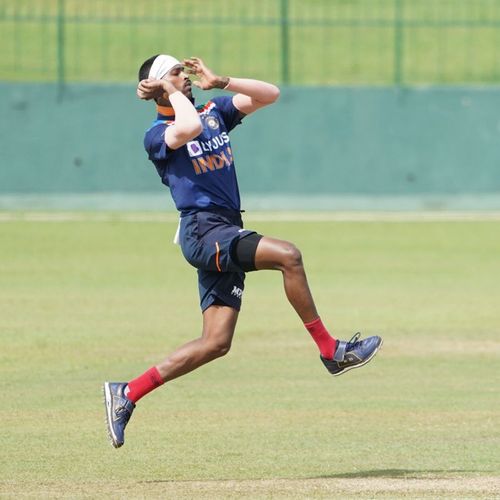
(394, 473)
(382, 473)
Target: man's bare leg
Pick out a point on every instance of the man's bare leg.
(337, 356)
(286, 257)
(219, 323)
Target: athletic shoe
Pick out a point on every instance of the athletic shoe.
(118, 411)
(352, 354)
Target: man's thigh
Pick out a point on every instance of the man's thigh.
(207, 241)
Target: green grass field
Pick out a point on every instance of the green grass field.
(330, 42)
(86, 301)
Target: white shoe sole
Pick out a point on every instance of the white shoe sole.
(108, 404)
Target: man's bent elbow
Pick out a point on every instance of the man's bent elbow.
(177, 136)
(197, 129)
(190, 131)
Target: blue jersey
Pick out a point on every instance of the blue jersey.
(201, 173)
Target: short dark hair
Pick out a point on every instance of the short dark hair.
(146, 67)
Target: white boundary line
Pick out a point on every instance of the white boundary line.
(256, 216)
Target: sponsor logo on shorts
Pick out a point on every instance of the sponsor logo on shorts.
(237, 292)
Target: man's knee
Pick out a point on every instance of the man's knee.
(217, 347)
(291, 256)
(219, 323)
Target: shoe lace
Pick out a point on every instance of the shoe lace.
(123, 413)
(353, 343)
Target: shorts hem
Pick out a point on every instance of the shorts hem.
(232, 302)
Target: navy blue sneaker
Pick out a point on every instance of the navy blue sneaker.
(352, 354)
(118, 411)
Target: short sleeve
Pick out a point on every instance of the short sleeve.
(154, 143)
(230, 114)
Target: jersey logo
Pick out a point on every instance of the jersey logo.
(212, 122)
(194, 149)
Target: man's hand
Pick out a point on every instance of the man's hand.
(153, 89)
(207, 78)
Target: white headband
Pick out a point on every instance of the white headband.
(161, 66)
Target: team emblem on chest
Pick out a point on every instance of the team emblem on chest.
(212, 122)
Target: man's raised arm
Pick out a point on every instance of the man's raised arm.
(250, 94)
(187, 123)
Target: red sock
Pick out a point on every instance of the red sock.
(144, 384)
(326, 343)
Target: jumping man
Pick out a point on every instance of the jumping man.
(190, 148)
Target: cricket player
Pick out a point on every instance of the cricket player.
(191, 149)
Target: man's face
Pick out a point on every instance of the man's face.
(180, 80)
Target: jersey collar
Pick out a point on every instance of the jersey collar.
(169, 112)
(165, 111)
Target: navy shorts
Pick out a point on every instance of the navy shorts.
(207, 240)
